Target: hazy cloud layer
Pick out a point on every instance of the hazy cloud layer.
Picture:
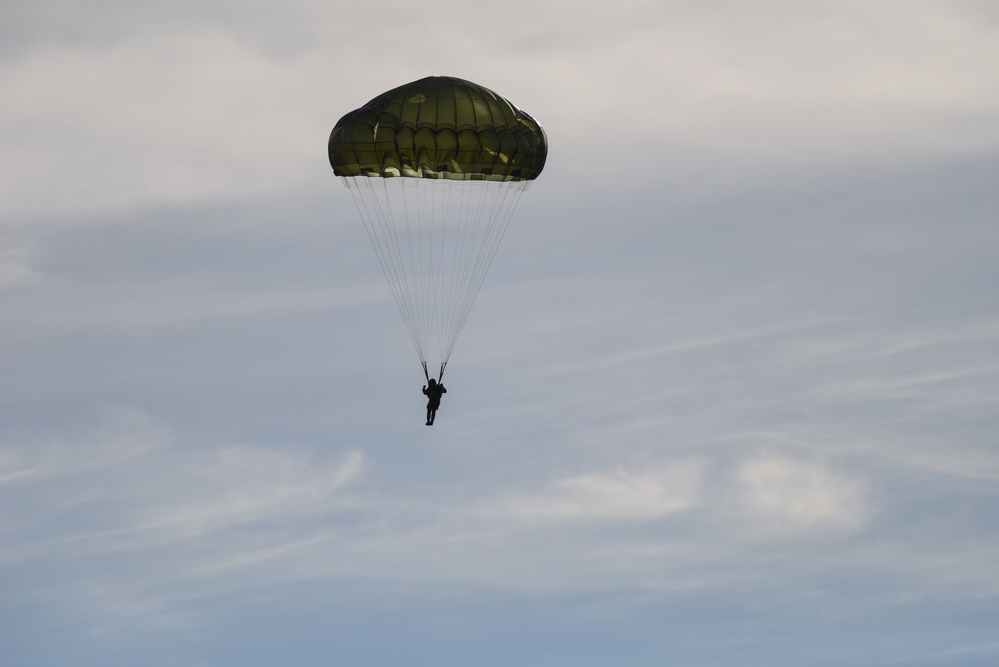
(205, 102)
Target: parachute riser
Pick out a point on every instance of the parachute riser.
(426, 373)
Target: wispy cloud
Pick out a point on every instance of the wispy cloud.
(617, 495)
(779, 494)
(241, 484)
(133, 487)
(191, 133)
(119, 436)
(16, 264)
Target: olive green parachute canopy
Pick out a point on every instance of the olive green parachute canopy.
(439, 127)
(465, 156)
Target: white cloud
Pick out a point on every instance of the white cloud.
(133, 486)
(121, 435)
(212, 110)
(16, 262)
(616, 495)
(165, 118)
(240, 484)
(779, 494)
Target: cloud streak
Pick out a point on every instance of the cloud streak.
(781, 494)
(618, 495)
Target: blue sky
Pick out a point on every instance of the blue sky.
(727, 397)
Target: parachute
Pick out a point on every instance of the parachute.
(436, 168)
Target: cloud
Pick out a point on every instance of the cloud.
(240, 484)
(784, 495)
(131, 485)
(120, 435)
(167, 118)
(617, 495)
(16, 261)
(213, 108)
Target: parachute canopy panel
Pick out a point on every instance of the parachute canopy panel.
(439, 127)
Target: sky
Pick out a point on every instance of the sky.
(727, 397)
